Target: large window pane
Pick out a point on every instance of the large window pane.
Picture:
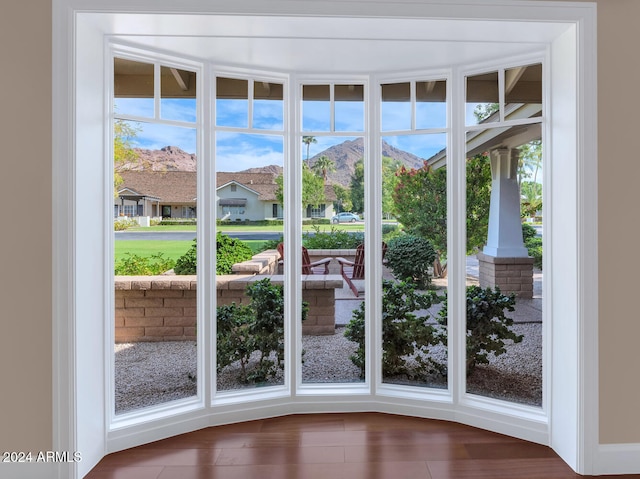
(414, 231)
(155, 325)
(504, 265)
(250, 347)
(333, 258)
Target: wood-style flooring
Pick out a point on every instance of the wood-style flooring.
(337, 446)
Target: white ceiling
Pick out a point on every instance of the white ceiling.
(322, 44)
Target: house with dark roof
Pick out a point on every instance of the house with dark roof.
(239, 196)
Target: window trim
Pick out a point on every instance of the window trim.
(575, 411)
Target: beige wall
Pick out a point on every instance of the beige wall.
(25, 97)
(25, 242)
(619, 173)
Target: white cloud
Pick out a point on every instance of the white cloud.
(238, 151)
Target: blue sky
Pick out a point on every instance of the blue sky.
(238, 151)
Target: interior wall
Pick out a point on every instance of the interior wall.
(25, 184)
(25, 241)
(619, 229)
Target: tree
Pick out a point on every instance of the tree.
(323, 166)
(530, 161)
(478, 201)
(531, 198)
(483, 111)
(420, 199)
(312, 188)
(307, 140)
(343, 198)
(357, 186)
(123, 153)
(389, 182)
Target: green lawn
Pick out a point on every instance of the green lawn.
(169, 249)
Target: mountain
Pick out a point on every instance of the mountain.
(169, 158)
(274, 169)
(345, 155)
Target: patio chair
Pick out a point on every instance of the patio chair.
(351, 270)
(316, 267)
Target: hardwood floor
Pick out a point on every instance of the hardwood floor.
(337, 446)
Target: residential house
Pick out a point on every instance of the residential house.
(239, 196)
(170, 194)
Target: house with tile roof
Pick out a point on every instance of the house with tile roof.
(169, 194)
(239, 196)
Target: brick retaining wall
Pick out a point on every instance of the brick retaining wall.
(163, 308)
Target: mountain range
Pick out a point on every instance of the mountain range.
(345, 156)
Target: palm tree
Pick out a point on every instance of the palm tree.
(307, 140)
(323, 166)
(530, 161)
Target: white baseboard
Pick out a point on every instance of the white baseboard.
(617, 459)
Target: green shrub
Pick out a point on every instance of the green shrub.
(258, 327)
(134, 265)
(533, 244)
(179, 221)
(272, 244)
(534, 247)
(186, 264)
(316, 221)
(228, 252)
(389, 228)
(333, 239)
(528, 231)
(252, 222)
(406, 337)
(488, 328)
(411, 258)
(389, 234)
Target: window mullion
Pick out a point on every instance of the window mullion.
(373, 230)
(157, 92)
(250, 103)
(293, 235)
(456, 237)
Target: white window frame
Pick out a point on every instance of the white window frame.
(79, 399)
(114, 50)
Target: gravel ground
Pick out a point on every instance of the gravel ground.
(152, 373)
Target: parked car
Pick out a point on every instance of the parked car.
(345, 218)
